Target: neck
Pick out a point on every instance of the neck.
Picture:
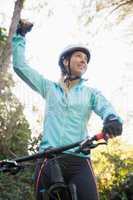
(69, 83)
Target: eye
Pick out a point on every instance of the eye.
(82, 56)
(86, 59)
(79, 55)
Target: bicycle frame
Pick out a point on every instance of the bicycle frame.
(84, 147)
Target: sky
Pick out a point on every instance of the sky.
(110, 53)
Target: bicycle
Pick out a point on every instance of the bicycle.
(58, 186)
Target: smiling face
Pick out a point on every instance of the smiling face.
(78, 63)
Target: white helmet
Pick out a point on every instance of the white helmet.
(69, 50)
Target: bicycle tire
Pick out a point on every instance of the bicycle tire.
(60, 193)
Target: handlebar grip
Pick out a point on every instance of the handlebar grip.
(101, 136)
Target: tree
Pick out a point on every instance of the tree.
(15, 136)
(15, 133)
(91, 8)
(5, 52)
(113, 167)
(100, 15)
(14, 128)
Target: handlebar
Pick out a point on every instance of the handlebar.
(84, 146)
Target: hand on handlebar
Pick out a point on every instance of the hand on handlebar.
(112, 126)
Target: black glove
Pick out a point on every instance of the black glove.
(112, 126)
(23, 27)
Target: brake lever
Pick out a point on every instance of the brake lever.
(87, 145)
(9, 163)
(98, 144)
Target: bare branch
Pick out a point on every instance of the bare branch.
(120, 5)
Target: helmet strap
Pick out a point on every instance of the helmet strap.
(69, 77)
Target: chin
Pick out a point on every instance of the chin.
(78, 74)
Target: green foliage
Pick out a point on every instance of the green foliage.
(18, 187)
(14, 141)
(21, 185)
(113, 168)
(14, 128)
(3, 36)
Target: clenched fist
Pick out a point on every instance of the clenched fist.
(23, 27)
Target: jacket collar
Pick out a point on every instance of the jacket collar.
(74, 83)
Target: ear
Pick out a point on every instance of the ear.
(65, 62)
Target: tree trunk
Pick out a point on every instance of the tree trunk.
(5, 53)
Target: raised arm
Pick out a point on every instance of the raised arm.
(36, 81)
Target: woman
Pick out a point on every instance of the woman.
(69, 104)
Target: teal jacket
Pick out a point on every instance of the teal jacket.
(66, 117)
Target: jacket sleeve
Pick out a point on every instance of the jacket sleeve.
(101, 106)
(36, 81)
